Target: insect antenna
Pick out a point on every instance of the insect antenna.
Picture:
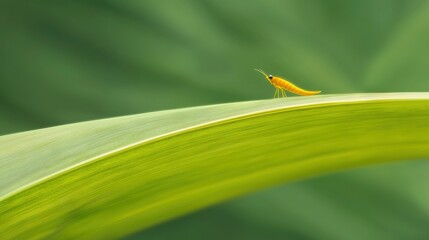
(266, 76)
(259, 70)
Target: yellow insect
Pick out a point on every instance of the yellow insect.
(281, 85)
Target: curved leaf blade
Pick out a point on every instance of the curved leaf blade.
(240, 148)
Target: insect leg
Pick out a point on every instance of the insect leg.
(275, 93)
(284, 93)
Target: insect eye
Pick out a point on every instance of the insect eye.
(270, 76)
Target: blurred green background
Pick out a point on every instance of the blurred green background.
(69, 61)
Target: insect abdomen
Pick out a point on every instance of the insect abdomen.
(303, 92)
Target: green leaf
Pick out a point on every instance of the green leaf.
(108, 178)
